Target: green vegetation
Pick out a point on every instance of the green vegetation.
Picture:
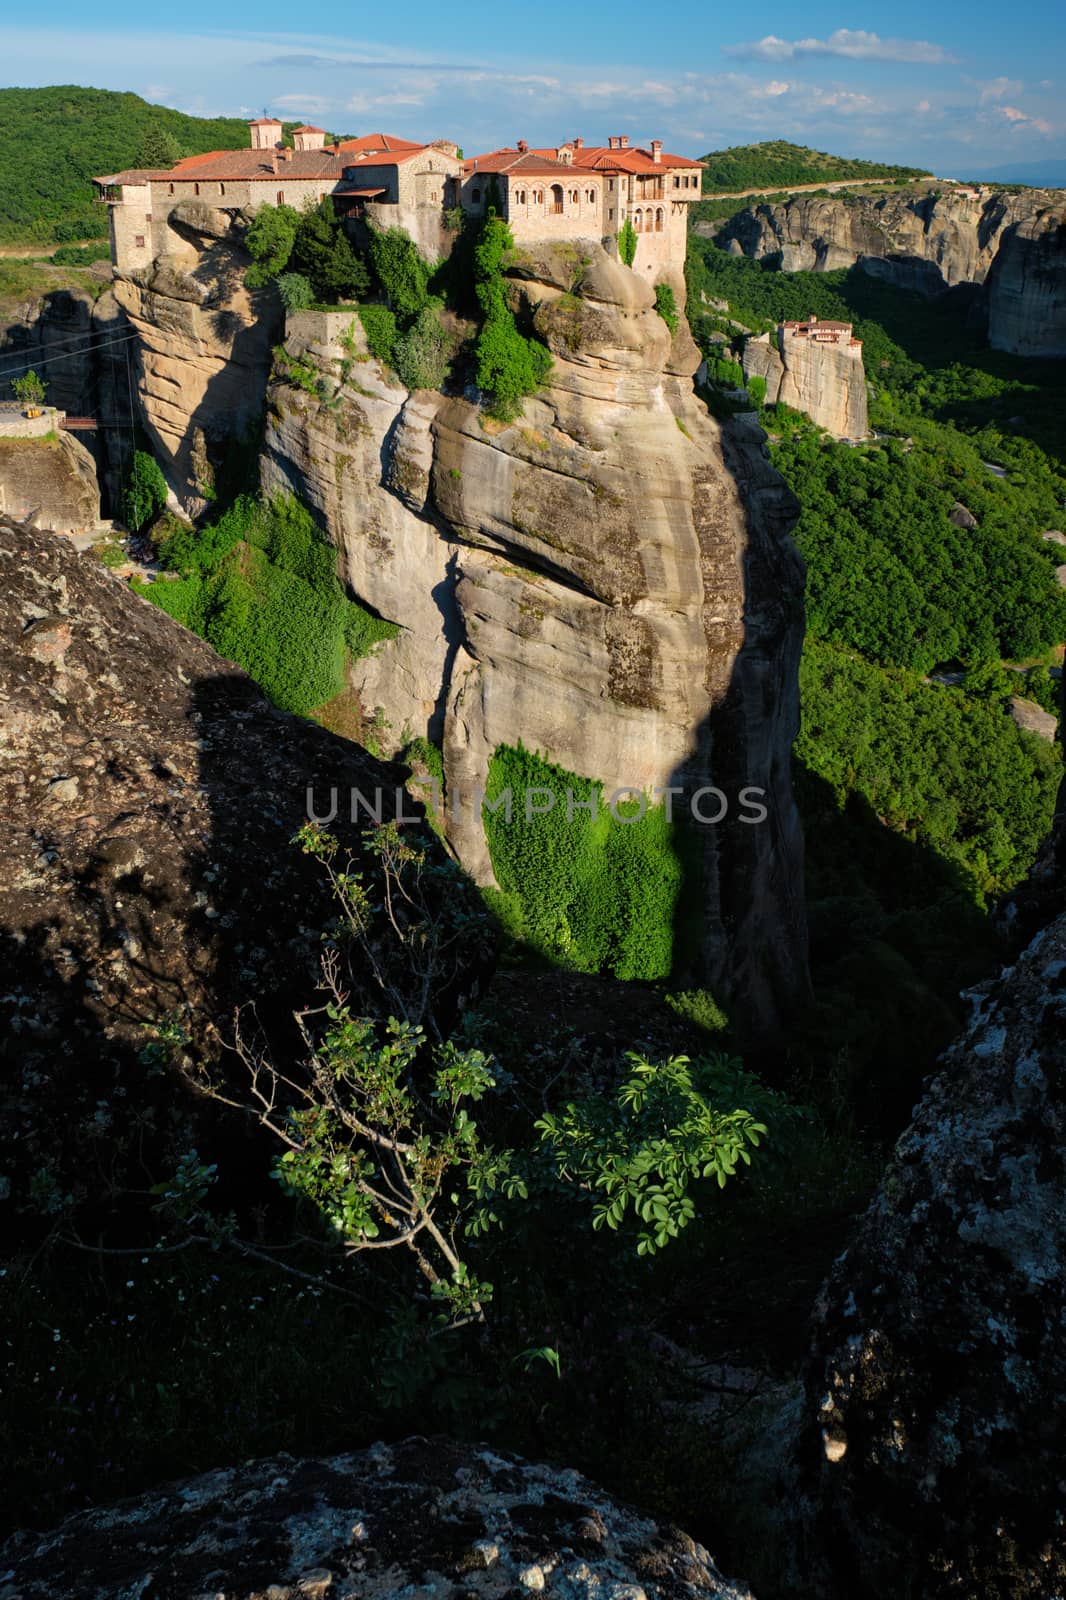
(269, 242)
(666, 306)
(510, 366)
(627, 243)
(57, 139)
(595, 891)
(260, 585)
(28, 390)
(322, 254)
(776, 164)
(144, 491)
(295, 291)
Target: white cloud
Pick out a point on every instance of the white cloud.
(999, 89)
(854, 44)
(771, 90)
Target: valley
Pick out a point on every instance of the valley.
(685, 603)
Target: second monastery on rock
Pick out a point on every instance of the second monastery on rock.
(574, 191)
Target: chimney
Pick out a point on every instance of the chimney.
(274, 159)
(578, 144)
(623, 141)
(612, 141)
(657, 151)
(523, 146)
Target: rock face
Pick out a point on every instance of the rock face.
(51, 482)
(1013, 244)
(933, 1455)
(425, 1517)
(203, 353)
(80, 344)
(609, 580)
(146, 868)
(824, 381)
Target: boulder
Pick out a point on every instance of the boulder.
(962, 516)
(50, 481)
(425, 1517)
(1027, 714)
(932, 1454)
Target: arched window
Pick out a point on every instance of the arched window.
(659, 220)
(476, 197)
(592, 197)
(557, 199)
(539, 197)
(638, 221)
(222, 188)
(521, 197)
(575, 198)
(172, 188)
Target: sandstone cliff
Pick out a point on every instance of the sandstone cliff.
(203, 352)
(826, 382)
(1012, 244)
(610, 580)
(51, 482)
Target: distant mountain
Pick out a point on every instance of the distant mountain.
(1036, 174)
(56, 139)
(776, 164)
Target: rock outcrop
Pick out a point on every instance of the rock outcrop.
(147, 873)
(203, 353)
(1012, 244)
(609, 580)
(82, 346)
(826, 382)
(51, 482)
(932, 1458)
(425, 1517)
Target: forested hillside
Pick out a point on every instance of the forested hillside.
(923, 801)
(56, 139)
(778, 164)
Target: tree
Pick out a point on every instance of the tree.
(144, 491)
(29, 390)
(421, 355)
(295, 291)
(627, 243)
(158, 147)
(269, 242)
(666, 306)
(322, 254)
(403, 275)
(509, 366)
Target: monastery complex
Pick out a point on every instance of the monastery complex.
(574, 191)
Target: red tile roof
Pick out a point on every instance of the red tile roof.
(523, 163)
(380, 141)
(265, 122)
(307, 128)
(631, 159)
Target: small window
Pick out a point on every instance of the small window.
(196, 188)
(138, 240)
(222, 188)
(592, 197)
(610, 214)
(610, 183)
(575, 198)
(677, 181)
(521, 197)
(281, 197)
(172, 188)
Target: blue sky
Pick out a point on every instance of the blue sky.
(956, 88)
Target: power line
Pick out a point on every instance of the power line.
(46, 361)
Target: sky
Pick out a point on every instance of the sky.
(956, 88)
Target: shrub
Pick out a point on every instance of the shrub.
(144, 491)
(401, 272)
(757, 388)
(29, 389)
(421, 356)
(594, 892)
(627, 243)
(261, 587)
(666, 306)
(509, 366)
(269, 242)
(379, 325)
(295, 291)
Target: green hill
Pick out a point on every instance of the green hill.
(777, 164)
(56, 139)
